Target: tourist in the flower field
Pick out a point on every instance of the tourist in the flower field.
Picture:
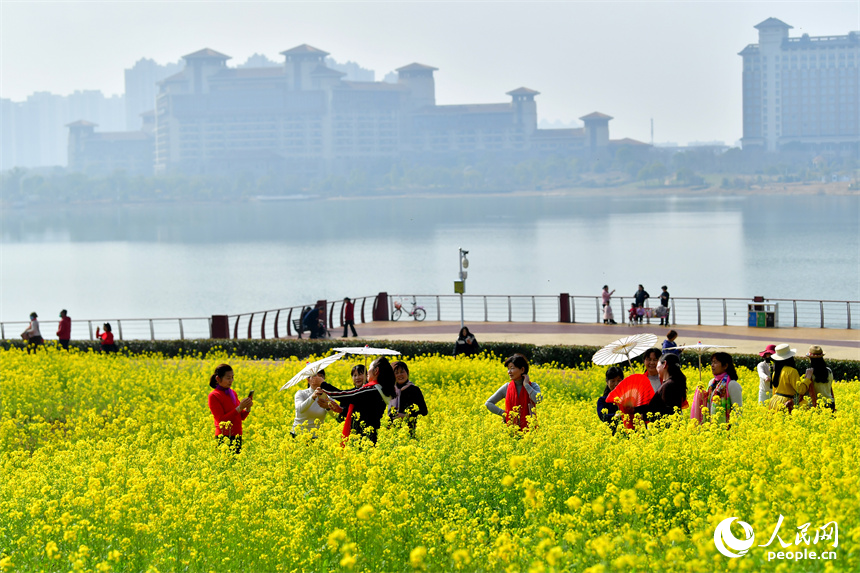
(107, 343)
(669, 345)
(365, 406)
(764, 369)
(64, 329)
(409, 402)
(311, 409)
(227, 410)
(521, 395)
(358, 375)
(650, 359)
(724, 395)
(820, 379)
(606, 411)
(786, 382)
(32, 334)
(672, 394)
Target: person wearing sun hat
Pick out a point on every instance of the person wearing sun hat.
(820, 379)
(764, 369)
(786, 381)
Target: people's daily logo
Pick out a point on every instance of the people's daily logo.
(733, 547)
(728, 544)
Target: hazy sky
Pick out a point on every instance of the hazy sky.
(675, 62)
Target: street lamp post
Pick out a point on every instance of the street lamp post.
(461, 288)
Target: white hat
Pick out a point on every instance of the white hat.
(783, 352)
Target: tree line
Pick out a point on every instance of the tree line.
(639, 166)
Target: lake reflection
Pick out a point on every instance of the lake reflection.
(198, 260)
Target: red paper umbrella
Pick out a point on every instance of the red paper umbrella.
(633, 391)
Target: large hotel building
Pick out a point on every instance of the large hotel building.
(304, 118)
(801, 93)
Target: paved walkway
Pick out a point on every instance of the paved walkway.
(840, 344)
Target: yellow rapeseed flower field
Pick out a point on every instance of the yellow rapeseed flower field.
(109, 464)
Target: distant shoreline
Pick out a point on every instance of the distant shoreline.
(769, 189)
(839, 189)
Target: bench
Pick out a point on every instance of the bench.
(297, 324)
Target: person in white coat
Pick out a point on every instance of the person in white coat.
(311, 410)
(764, 371)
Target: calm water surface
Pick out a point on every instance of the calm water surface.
(187, 260)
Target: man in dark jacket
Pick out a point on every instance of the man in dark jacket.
(311, 322)
(640, 296)
(664, 302)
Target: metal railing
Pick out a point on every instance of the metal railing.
(280, 322)
(122, 328)
(588, 309)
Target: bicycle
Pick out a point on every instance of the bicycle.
(418, 313)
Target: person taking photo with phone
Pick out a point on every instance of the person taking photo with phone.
(227, 409)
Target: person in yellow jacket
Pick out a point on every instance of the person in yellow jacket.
(786, 381)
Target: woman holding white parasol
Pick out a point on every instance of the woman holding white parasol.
(366, 405)
(311, 409)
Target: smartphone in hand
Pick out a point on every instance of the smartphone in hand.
(251, 394)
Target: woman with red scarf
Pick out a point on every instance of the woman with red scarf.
(521, 395)
(365, 405)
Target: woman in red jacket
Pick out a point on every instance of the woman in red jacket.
(106, 337)
(226, 408)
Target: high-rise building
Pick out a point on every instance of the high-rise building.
(33, 132)
(801, 93)
(141, 86)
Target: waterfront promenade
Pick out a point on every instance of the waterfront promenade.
(837, 343)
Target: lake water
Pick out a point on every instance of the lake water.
(189, 260)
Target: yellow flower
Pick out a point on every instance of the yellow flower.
(335, 538)
(416, 557)
(461, 557)
(573, 503)
(365, 512)
(517, 461)
(676, 535)
(87, 459)
(50, 549)
(628, 499)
